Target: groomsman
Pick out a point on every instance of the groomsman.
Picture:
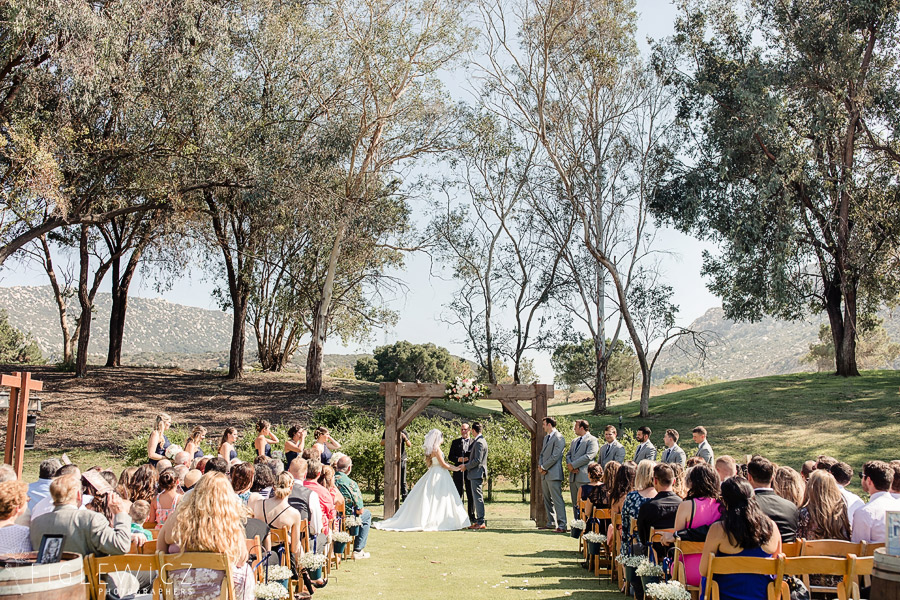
(460, 450)
(582, 451)
(673, 452)
(612, 449)
(550, 464)
(704, 450)
(645, 450)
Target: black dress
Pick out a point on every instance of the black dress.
(160, 449)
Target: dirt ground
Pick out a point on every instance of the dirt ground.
(111, 405)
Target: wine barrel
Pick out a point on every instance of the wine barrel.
(56, 581)
(885, 576)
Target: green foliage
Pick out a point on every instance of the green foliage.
(693, 379)
(874, 350)
(15, 346)
(576, 364)
(501, 372)
(405, 361)
(343, 373)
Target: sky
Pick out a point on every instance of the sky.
(421, 306)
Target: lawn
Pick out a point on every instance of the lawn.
(509, 560)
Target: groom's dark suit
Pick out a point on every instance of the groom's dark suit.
(462, 448)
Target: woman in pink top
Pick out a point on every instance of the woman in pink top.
(701, 507)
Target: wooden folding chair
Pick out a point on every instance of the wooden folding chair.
(656, 537)
(603, 563)
(791, 549)
(104, 565)
(860, 568)
(832, 548)
(255, 549)
(804, 566)
(678, 573)
(164, 585)
(582, 514)
(617, 547)
(731, 565)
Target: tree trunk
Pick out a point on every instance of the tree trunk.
(319, 331)
(236, 352)
(600, 398)
(84, 299)
(116, 318)
(60, 303)
(843, 333)
(645, 393)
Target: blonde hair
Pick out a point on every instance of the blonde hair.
(64, 490)
(283, 485)
(827, 509)
(327, 477)
(788, 484)
(196, 432)
(643, 477)
(160, 419)
(139, 511)
(209, 520)
(13, 495)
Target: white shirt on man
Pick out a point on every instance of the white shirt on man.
(868, 521)
(46, 505)
(852, 501)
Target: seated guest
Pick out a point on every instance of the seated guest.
(14, 502)
(326, 480)
(304, 499)
(823, 516)
(825, 462)
(164, 503)
(643, 492)
(162, 465)
(679, 487)
(694, 461)
(242, 480)
(7, 473)
(895, 487)
(783, 512)
(263, 480)
(40, 489)
(101, 501)
(660, 511)
(743, 531)
(158, 442)
(216, 464)
(139, 513)
(843, 475)
(788, 484)
(595, 476)
(868, 522)
(264, 439)
(86, 532)
(226, 445)
(312, 453)
(350, 491)
(808, 467)
(621, 486)
(726, 467)
(313, 470)
(46, 505)
(181, 472)
(191, 479)
(701, 508)
(124, 484)
(182, 459)
(192, 445)
(208, 520)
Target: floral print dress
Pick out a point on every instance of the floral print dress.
(633, 503)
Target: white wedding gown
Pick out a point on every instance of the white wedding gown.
(432, 505)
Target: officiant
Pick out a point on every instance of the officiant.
(460, 451)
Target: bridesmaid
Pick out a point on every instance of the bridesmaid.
(293, 446)
(264, 438)
(325, 443)
(158, 442)
(226, 446)
(192, 446)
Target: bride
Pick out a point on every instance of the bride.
(433, 504)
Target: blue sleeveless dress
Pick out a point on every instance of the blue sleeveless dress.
(160, 449)
(741, 586)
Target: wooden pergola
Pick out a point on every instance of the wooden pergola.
(396, 419)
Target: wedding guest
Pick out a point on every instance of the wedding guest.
(276, 512)
(143, 484)
(622, 485)
(645, 449)
(242, 480)
(325, 444)
(783, 512)
(726, 467)
(673, 452)
(843, 475)
(207, 520)
(7, 473)
(40, 489)
(125, 479)
(139, 513)
(312, 453)
(162, 465)
(701, 508)
(350, 491)
(226, 445)
(895, 486)
(192, 445)
(293, 445)
(595, 492)
(743, 531)
(191, 479)
(46, 505)
(789, 485)
(326, 480)
(216, 464)
(609, 477)
(823, 515)
(808, 467)
(825, 462)
(158, 442)
(869, 521)
(704, 450)
(163, 504)
(659, 511)
(13, 502)
(694, 461)
(263, 480)
(100, 502)
(181, 459)
(680, 486)
(264, 439)
(612, 450)
(643, 492)
(304, 499)
(313, 470)
(181, 472)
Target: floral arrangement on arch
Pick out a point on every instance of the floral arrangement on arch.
(466, 390)
(670, 590)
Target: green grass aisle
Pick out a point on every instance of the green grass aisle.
(512, 559)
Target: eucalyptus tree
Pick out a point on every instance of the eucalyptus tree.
(791, 125)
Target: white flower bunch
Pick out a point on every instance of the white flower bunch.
(341, 536)
(649, 569)
(630, 561)
(577, 524)
(313, 560)
(592, 536)
(172, 450)
(670, 590)
(352, 521)
(271, 591)
(278, 572)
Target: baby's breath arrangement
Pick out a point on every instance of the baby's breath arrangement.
(670, 590)
(649, 569)
(592, 536)
(271, 591)
(341, 536)
(312, 561)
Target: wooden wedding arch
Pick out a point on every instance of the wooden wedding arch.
(396, 419)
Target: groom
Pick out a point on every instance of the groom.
(476, 473)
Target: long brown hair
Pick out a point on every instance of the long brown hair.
(827, 509)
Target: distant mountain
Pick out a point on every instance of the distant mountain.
(741, 350)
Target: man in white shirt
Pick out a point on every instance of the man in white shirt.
(46, 504)
(307, 501)
(868, 522)
(40, 489)
(895, 487)
(843, 474)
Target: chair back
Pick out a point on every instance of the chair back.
(831, 548)
(790, 549)
(255, 553)
(582, 508)
(681, 548)
(860, 567)
(731, 565)
(304, 534)
(804, 566)
(164, 585)
(104, 565)
(869, 548)
(282, 535)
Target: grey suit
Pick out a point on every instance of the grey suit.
(614, 451)
(581, 452)
(86, 531)
(550, 460)
(645, 451)
(476, 472)
(705, 451)
(675, 454)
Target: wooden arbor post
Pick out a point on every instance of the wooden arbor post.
(396, 419)
(20, 384)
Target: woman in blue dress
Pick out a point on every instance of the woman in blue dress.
(264, 438)
(325, 443)
(158, 442)
(743, 531)
(293, 446)
(192, 445)
(226, 446)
